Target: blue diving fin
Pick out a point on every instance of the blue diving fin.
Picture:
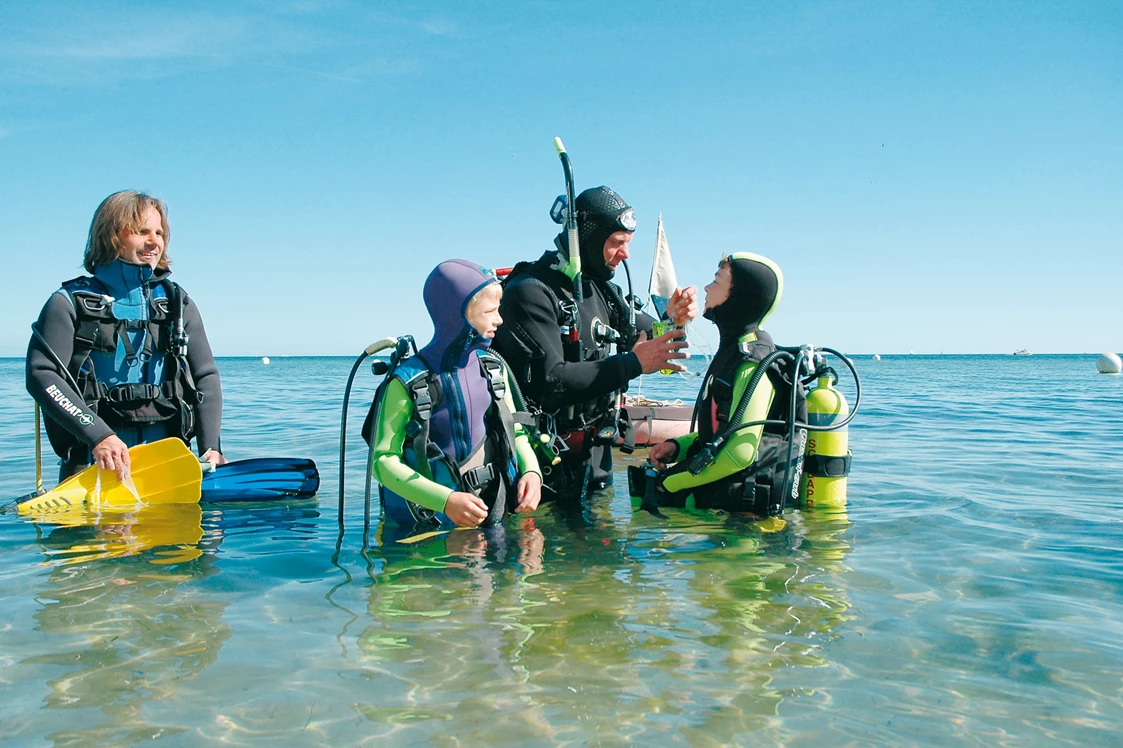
(262, 479)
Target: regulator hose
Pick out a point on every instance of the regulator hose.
(370, 350)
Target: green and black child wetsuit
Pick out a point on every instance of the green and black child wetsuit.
(442, 422)
(746, 473)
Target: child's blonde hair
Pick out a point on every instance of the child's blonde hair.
(491, 292)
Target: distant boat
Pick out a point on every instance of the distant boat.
(1022, 352)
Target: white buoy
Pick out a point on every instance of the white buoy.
(1109, 364)
(877, 357)
(265, 360)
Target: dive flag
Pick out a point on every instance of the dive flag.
(663, 281)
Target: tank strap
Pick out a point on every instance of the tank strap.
(827, 466)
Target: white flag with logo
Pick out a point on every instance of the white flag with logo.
(663, 281)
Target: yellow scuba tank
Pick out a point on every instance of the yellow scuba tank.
(826, 461)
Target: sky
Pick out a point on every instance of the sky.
(931, 176)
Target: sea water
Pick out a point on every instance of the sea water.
(970, 594)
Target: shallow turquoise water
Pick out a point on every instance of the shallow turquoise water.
(970, 595)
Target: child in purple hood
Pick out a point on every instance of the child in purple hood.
(446, 448)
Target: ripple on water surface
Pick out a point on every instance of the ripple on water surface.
(971, 594)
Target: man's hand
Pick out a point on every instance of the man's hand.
(112, 454)
(214, 457)
(663, 454)
(528, 493)
(465, 509)
(683, 305)
(662, 352)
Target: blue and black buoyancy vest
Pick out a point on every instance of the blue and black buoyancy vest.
(488, 468)
(130, 352)
(461, 422)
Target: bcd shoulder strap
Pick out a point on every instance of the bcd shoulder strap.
(495, 372)
(418, 384)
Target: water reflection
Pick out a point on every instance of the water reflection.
(175, 529)
(123, 633)
(449, 615)
(131, 612)
(646, 628)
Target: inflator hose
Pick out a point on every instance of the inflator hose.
(368, 351)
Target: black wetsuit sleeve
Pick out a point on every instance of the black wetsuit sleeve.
(204, 372)
(530, 339)
(48, 383)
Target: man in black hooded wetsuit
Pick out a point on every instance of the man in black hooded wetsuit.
(560, 348)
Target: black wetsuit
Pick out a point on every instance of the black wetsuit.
(580, 395)
(53, 390)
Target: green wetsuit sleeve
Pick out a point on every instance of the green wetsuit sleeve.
(740, 451)
(389, 444)
(525, 458)
(684, 443)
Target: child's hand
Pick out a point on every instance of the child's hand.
(663, 454)
(683, 305)
(465, 509)
(528, 493)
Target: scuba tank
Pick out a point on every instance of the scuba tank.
(826, 461)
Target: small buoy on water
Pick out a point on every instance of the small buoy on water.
(1109, 364)
(265, 360)
(877, 357)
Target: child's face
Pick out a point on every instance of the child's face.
(717, 292)
(484, 316)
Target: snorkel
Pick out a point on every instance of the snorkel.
(572, 265)
(564, 210)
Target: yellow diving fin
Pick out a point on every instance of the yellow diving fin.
(163, 472)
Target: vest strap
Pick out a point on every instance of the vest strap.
(478, 478)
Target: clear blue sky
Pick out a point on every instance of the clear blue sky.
(935, 176)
